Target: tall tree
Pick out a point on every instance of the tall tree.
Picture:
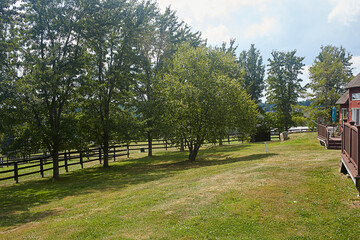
(52, 65)
(201, 101)
(252, 63)
(330, 72)
(8, 59)
(110, 27)
(160, 37)
(283, 84)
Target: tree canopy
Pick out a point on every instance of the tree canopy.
(329, 74)
(283, 85)
(202, 102)
(252, 63)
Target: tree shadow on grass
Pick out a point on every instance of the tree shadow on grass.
(17, 200)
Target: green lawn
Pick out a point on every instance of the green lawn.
(232, 192)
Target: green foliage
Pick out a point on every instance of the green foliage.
(201, 100)
(283, 85)
(329, 74)
(8, 61)
(252, 63)
(298, 116)
(159, 37)
(109, 32)
(52, 63)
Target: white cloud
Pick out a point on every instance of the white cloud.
(345, 11)
(305, 75)
(201, 10)
(267, 26)
(356, 65)
(217, 34)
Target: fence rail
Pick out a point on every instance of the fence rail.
(350, 156)
(41, 163)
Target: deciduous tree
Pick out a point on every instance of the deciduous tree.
(159, 38)
(51, 67)
(283, 85)
(201, 102)
(329, 74)
(252, 63)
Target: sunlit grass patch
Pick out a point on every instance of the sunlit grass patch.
(232, 192)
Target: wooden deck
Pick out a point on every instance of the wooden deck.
(350, 157)
(334, 143)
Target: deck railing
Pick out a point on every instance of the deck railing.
(350, 149)
(323, 133)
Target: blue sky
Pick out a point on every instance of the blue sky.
(304, 25)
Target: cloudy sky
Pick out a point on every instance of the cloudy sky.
(304, 25)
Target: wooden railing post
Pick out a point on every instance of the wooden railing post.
(100, 155)
(16, 173)
(81, 160)
(41, 167)
(166, 145)
(66, 161)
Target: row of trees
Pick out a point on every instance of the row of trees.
(80, 72)
(329, 74)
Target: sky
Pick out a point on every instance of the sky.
(283, 25)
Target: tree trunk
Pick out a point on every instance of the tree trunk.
(55, 157)
(106, 154)
(149, 144)
(193, 154)
(220, 142)
(182, 148)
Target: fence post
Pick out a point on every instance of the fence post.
(16, 173)
(42, 167)
(114, 153)
(357, 150)
(100, 155)
(66, 161)
(81, 160)
(165, 144)
(128, 150)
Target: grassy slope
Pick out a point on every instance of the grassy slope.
(232, 192)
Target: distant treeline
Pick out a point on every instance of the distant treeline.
(269, 107)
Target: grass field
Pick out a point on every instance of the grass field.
(295, 191)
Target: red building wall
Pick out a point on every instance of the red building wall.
(353, 103)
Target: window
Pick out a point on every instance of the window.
(356, 96)
(356, 115)
(343, 115)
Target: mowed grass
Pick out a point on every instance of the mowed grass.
(295, 191)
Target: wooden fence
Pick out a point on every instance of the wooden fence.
(350, 157)
(323, 134)
(41, 163)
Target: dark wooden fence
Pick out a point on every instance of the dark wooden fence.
(275, 134)
(350, 156)
(41, 163)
